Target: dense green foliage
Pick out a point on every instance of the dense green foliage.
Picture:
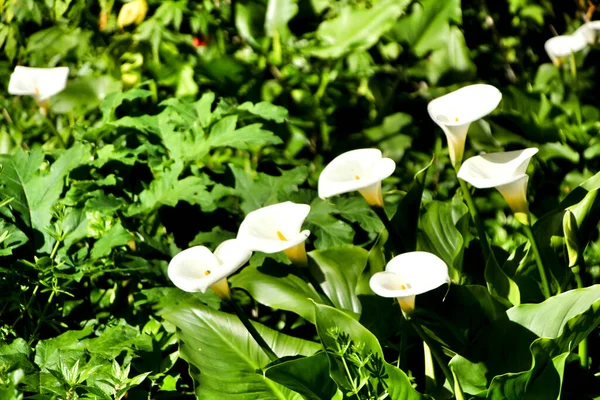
(170, 131)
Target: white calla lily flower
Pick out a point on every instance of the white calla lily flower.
(455, 111)
(41, 83)
(563, 46)
(276, 228)
(357, 170)
(408, 275)
(589, 30)
(197, 268)
(505, 171)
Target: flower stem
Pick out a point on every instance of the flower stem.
(538, 260)
(252, 330)
(437, 354)
(582, 349)
(485, 244)
(393, 233)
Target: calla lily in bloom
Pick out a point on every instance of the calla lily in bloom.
(505, 171)
(589, 30)
(455, 111)
(197, 268)
(563, 46)
(361, 170)
(408, 275)
(276, 228)
(41, 83)
(133, 12)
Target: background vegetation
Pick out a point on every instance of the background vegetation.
(170, 131)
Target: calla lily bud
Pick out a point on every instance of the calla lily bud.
(560, 47)
(357, 170)
(197, 268)
(133, 12)
(276, 228)
(408, 275)
(571, 241)
(41, 83)
(505, 171)
(455, 111)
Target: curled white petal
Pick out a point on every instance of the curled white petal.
(274, 228)
(410, 274)
(496, 169)
(562, 46)
(42, 83)
(353, 171)
(455, 111)
(197, 268)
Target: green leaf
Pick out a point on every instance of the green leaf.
(440, 234)
(115, 237)
(266, 110)
(308, 376)
(330, 323)
(453, 59)
(35, 192)
(329, 230)
(226, 358)
(276, 287)
(115, 99)
(356, 209)
(356, 29)
(279, 13)
(224, 134)
(266, 189)
(167, 190)
(427, 26)
(529, 346)
(338, 269)
(406, 218)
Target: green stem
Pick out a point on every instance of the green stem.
(485, 244)
(538, 259)
(393, 233)
(252, 330)
(437, 354)
(582, 350)
(55, 132)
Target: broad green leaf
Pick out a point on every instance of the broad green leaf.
(530, 345)
(115, 237)
(66, 346)
(338, 269)
(16, 356)
(329, 230)
(279, 13)
(427, 26)
(168, 190)
(266, 189)
(356, 29)
(500, 284)
(224, 134)
(441, 235)
(265, 109)
(406, 218)
(115, 99)
(226, 358)
(330, 324)
(356, 209)
(35, 192)
(308, 376)
(542, 381)
(11, 238)
(278, 289)
(453, 59)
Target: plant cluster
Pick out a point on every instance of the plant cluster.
(178, 216)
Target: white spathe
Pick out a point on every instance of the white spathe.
(563, 46)
(408, 275)
(41, 83)
(455, 111)
(275, 228)
(357, 170)
(197, 268)
(505, 171)
(589, 30)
